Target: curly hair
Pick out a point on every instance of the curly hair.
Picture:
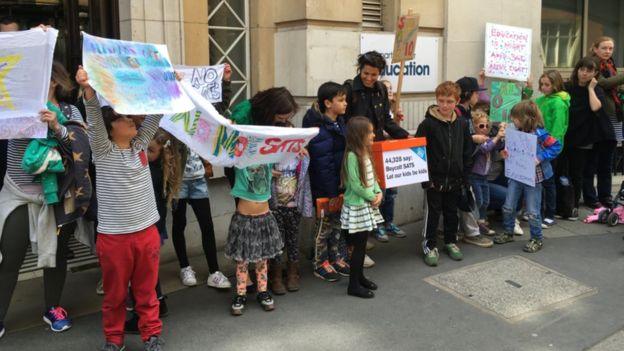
(371, 58)
(172, 159)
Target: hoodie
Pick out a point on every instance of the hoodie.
(554, 108)
(449, 149)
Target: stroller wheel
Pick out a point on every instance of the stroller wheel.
(603, 215)
(613, 219)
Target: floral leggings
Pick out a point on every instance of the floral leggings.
(288, 219)
(242, 276)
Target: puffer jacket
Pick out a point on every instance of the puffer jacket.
(326, 153)
(555, 108)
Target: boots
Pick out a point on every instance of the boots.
(292, 278)
(275, 275)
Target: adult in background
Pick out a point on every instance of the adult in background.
(600, 161)
(367, 96)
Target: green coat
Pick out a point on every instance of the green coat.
(356, 194)
(554, 108)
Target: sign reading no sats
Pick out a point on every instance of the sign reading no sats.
(400, 162)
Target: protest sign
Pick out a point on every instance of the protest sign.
(207, 80)
(522, 148)
(222, 143)
(505, 95)
(25, 70)
(405, 38)
(135, 78)
(507, 52)
(400, 162)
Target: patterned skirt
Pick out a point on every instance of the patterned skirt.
(253, 238)
(360, 218)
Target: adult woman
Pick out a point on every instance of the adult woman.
(22, 207)
(600, 161)
(368, 97)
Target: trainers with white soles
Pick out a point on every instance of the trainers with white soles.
(218, 280)
(187, 276)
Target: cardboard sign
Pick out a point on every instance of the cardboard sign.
(215, 139)
(505, 95)
(135, 78)
(522, 149)
(400, 162)
(507, 52)
(405, 38)
(25, 70)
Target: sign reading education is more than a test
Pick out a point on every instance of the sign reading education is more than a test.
(421, 74)
(25, 70)
(507, 52)
(135, 78)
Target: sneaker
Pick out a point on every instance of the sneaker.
(503, 238)
(432, 257)
(266, 301)
(524, 217)
(369, 245)
(154, 343)
(218, 280)
(99, 288)
(517, 229)
(238, 305)
(131, 326)
(485, 230)
(574, 216)
(327, 272)
(368, 262)
(454, 252)
(109, 346)
(533, 246)
(2, 330)
(479, 240)
(56, 318)
(393, 230)
(342, 268)
(548, 222)
(380, 234)
(187, 276)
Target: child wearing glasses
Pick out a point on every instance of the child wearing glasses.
(481, 164)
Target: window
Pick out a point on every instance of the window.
(228, 32)
(371, 14)
(605, 18)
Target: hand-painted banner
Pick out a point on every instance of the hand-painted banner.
(207, 80)
(522, 150)
(507, 52)
(505, 95)
(25, 70)
(135, 78)
(222, 143)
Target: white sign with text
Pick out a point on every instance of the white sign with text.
(405, 166)
(522, 149)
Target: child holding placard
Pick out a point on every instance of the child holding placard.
(527, 118)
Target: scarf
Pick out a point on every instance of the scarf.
(607, 69)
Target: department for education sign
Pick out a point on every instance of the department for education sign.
(421, 74)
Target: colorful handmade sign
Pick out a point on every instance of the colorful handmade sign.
(521, 148)
(507, 52)
(207, 80)
(505, 95)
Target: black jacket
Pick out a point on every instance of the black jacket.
(449, 146)
(372, 103)
(586, 126)
(326, 152)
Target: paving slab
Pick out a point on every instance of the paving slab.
(613, 343)
(511, 287)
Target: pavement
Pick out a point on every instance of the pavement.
(566, 297)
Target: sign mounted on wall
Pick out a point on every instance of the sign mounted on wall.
(507, 52)
(421, 74)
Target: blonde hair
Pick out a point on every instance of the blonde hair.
(172, 161)
(479, 115)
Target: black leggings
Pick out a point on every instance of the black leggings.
(14, 244)
(358, 242)
(201, 208)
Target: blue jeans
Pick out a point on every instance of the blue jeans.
(550, 197)
(194, 189)
(481, 190)
(387, 206)
(532, 202)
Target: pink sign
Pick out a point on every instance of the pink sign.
(507, 52)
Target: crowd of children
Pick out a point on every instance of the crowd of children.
(141, 171)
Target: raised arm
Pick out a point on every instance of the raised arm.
(98, 136)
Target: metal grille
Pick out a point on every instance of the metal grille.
(372, 14)
(82, 259)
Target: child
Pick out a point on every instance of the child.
(254, 235)
(326, 154)
(128, 244)
(481, 165)
(554, 106)
(527, 118)
(449, 159)
(360, 210)
(290, 200)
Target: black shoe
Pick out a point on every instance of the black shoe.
(368, 284)
(361, 292)
(132, 325)
(238, 305)
(266, 301)
(163, 309)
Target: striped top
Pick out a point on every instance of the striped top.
(617, 128)
(15, 153)
(126, 201)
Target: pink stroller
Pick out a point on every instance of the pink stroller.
(613, 215)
